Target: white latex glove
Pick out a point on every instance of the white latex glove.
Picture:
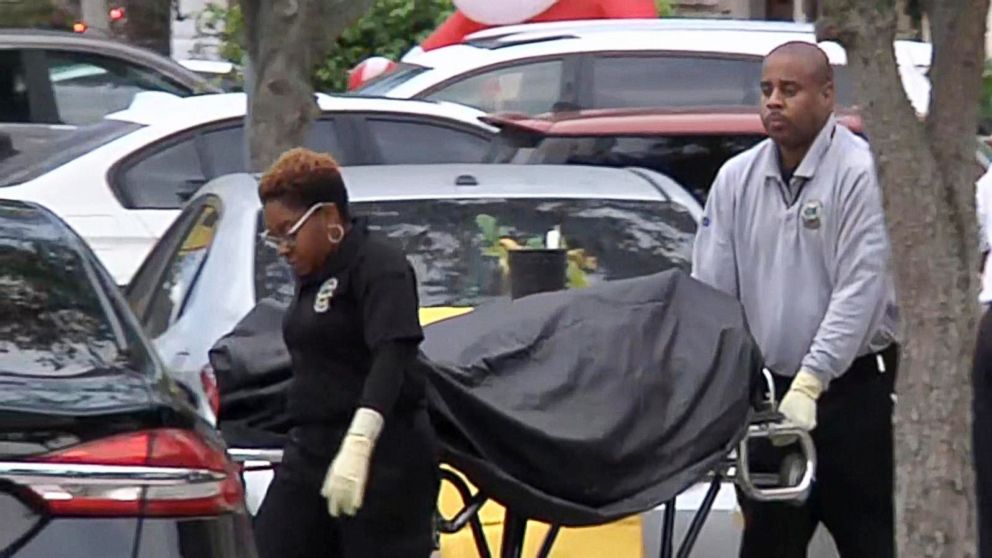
(799, 404)
(344, 484)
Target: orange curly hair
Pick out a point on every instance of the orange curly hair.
(301, 178)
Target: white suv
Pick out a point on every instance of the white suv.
(534, 68)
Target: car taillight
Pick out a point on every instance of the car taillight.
(162, 472)
(209, 381)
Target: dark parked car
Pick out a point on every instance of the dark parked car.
(688, 144)
(100, 456)
(52, 81)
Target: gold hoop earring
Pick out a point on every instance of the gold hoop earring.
(335, 238)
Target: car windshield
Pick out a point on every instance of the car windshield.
(691, 159)
(454, 244)
(56, 319)
(29, 165)
(386, 83)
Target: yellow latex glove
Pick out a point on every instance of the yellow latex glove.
(344, 484)
(799, 404)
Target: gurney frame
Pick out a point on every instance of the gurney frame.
(792, 483)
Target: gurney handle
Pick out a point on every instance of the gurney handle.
(241, 455)
(792, 493)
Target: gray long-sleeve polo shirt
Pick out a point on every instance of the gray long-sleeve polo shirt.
(809, 260)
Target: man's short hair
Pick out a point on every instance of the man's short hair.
(811, 54)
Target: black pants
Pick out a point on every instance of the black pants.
(981, 378)
(396, 519)
(853, 490)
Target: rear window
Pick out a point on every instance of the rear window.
(31, 164)
(57, 320)
(645, 81)
(624, 81)
(453, 244)
(690, 160)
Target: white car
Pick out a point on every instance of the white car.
(120, 183)
(532, 68)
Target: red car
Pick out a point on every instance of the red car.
(687, 145)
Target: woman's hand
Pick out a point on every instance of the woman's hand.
(344, 484)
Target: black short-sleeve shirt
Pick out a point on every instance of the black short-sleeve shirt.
(364, 296)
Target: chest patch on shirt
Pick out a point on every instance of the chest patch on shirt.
(812, 214)
(322, 301)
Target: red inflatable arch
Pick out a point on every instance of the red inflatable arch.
(476, 15)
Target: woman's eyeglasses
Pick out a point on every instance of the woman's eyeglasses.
(289, 239)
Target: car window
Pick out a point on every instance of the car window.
(453, 244)
(686, 81)
(322, 137)
(141, 288)
(29, 165)
(57, 321)
(162, 179)
(14, 104)
(408, 142)
(166, 302)
(273, 276)
(224, 149)
(647, 81)
(844, 87)
(690, 160)
(89, 86)
(529, 88)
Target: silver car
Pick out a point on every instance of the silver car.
(210, 268)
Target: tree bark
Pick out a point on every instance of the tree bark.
(149, 24)
(95, 15)
(285, 39)
(927, 172)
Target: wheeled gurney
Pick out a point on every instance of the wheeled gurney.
(573, 408)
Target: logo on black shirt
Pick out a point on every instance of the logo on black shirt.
(322, 301)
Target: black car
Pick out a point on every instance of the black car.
(100, 455)
(52, 81)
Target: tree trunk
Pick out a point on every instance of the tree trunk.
(927, 172)
(149, 24)
(95, 15)
(285, 39)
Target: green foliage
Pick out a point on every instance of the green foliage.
(37, 14)
(665, 8)
(226, 25)
(390, 29)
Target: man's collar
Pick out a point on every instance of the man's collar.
(811, 162)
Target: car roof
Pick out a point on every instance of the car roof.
(723, 35)
(43, 38)
(162, 109)
(448, 181)
(590, 26)
(677, 41)
(680, 121)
